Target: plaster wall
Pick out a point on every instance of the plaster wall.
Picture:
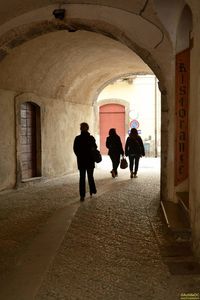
(118, 89)
(60, 122)
(67, 65)
(7, 138)
(169, 13)
(143, 105)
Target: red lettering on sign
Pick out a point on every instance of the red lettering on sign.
(181, 115)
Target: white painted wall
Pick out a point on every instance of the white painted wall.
(140, 95)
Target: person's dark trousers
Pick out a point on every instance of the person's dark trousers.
(115, 161)
(82, 181)
(134, 160)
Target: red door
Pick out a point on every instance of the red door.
(111, 116)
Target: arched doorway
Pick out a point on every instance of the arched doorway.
(111, 116)
(30, 149)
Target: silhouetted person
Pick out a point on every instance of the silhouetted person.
(83, 145)
(134, 149)
(115, 149)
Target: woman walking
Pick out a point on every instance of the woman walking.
(134, 149)
(115, 149)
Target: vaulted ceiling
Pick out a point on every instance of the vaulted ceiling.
(73, 58)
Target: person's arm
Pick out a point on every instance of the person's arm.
(121, 147)
(94, 145)
(126, 147)
(108, 143)
(75, 146)
(142, 146)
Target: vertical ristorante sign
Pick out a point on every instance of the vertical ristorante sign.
(182, 105)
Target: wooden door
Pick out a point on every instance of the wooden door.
(28, 140)
(111, 116)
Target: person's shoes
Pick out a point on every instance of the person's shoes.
(131, 175)
(82, 199)
(135, 175)
(116, 174)
(113, 173)
(92, 193)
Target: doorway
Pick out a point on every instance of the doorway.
(111, 116)
(30, 149)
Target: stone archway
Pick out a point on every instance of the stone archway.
(25, 33)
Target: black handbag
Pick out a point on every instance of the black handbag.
(123, 163)
(96, 156)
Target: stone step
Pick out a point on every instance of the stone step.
(175, 218)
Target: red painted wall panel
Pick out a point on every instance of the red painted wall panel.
(111, 116)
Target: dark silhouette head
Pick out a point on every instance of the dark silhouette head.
(134, 132)
(112, 131)
(84, 126)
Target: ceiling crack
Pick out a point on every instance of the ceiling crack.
(144, 7)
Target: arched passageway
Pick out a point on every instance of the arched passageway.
(64, 92)
(62, 65)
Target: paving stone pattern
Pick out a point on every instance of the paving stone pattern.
(111, 250)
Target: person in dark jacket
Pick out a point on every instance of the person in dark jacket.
(134, 149)
(83, 146)
(115, 149)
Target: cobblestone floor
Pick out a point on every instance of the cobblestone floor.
(111, 249)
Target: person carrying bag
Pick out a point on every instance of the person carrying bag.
(115, 149)
(134, 149)
(123, 163)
